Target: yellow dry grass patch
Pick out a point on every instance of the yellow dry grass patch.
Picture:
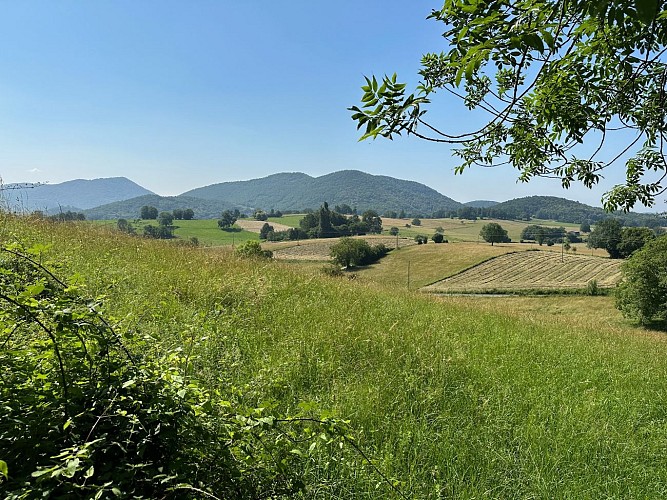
(256, 225)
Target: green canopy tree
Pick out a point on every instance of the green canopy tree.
(642, 293)
(607, 235)
(547, 76)
(494, 233)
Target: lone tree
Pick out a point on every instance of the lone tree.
(565, 89)
(227, 219)
(494, 233)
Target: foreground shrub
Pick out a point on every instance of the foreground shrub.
(253, 249)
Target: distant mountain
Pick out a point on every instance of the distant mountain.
(75, 195)
(129, 209)
(563, 210)
(297, 191)
(480, 203)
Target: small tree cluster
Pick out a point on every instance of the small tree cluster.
(148, 212)
(543, 234)
(326, 223)
(183, 213)
(421, 239)
(620, 242)
(350, 252)
(68, 216)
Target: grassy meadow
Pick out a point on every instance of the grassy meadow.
(447, 396)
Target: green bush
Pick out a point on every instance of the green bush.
(253, 249)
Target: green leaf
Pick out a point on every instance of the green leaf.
(646, 9)
(4, 470)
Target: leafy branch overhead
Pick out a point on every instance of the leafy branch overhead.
(550, 77)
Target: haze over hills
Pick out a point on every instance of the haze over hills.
(77, 194)
(296, 191)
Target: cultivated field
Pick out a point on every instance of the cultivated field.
(255, 226)
(532, 271)
(467, 230)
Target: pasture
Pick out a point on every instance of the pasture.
(467, 230)
(450, 397)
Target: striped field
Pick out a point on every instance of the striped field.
(532, 270)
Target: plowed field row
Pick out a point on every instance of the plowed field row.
(532, 271)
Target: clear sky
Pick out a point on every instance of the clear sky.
(178, 95)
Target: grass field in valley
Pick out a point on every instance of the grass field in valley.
(449, 397)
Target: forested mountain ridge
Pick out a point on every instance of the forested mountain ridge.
(563, 210)
(77, 194)
(298, 191)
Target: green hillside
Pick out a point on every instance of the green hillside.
(297, 191)
(444, 399)
(129, 209)
(561, 209)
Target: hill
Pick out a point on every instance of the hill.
(129, 209)
(561, 209)
(298, 191)
(75, 195)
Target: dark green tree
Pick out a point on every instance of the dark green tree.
(585, 227)
(552, 77)
(227, 219)
(265, 231)
(324, 227)
(642, 292)
(607, 234)
(165, 218)
(147, 212)
(438, 238)
(373, 221)
(632, 239)
(188, 214)
(393, 231)
(494, 233)
(416, 222)
(177, 213)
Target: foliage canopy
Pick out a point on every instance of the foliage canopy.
(642, 294)
(548, 76)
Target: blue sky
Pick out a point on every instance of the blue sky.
(177, 95)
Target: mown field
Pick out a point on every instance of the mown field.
(534, 270)
(448, 397)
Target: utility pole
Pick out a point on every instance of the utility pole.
(408, 275)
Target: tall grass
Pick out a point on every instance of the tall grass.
(446, 399)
